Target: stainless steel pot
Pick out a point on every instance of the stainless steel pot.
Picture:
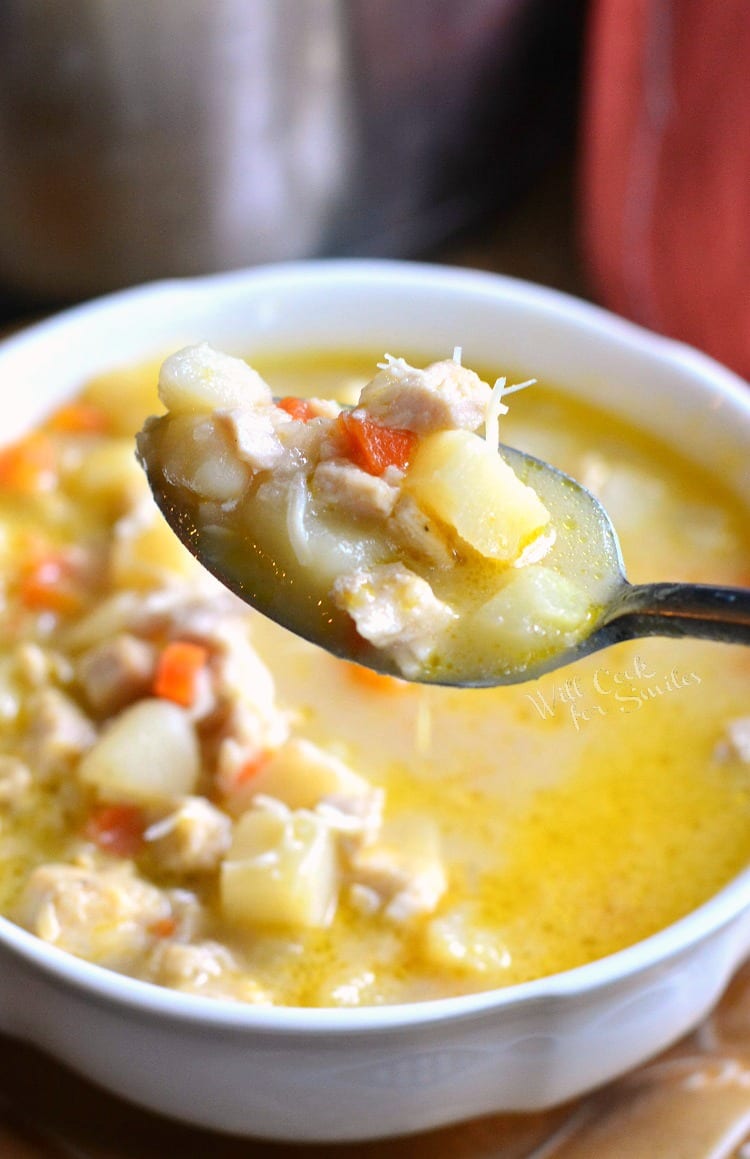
(148, 138)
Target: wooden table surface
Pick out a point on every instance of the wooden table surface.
(693, 1103)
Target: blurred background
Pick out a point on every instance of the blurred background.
(602, 146)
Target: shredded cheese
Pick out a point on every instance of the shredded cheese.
(496, 407)
(398, 367)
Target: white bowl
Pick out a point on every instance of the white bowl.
(364, 1073)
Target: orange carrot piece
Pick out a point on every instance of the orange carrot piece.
(177, 671)
(30, 465)
(79, 418)
(117, 829)
(373, 447)
(298, 408)
(250, 769)
(48, 584)
(163, 928)
(375, 681)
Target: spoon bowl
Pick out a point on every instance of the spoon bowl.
(585, 549)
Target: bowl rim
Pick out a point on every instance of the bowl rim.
(579, 983)
(555, 303)
(717, 912)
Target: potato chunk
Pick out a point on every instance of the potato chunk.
(280, 870)
(148, 753)
(458, 941)
(534, 606)
(201, 378)
(462, 480)
(300, 774)
(145, 552)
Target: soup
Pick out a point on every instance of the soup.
(196, 797)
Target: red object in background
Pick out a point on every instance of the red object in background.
(665, 182)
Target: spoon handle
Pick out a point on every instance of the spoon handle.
(679, 609)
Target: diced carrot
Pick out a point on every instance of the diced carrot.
(163, 928)
(250, 769)
(30, 465)
(298, 408)
(117, 829)
(79, 418)
(375, 681)
(177, 671)
(373, 447)
(235, 784)
(48, 584)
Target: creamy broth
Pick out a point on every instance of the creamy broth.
(575, 815)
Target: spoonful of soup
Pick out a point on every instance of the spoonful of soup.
(400, 533)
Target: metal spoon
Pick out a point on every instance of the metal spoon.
(586, 544)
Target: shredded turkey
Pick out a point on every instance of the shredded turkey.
(394, 608)
(191, 839)
(205, 968)
(58, 734)
(105, 915)
(444, 395)
(116, 672)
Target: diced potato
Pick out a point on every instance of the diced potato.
(201, 378)
(456, 941)
(146, 552)
(535, 603)
(280, 871)
(462, 480)
(109, 474)
(125, 396)
(201, 458)
(300, 774)
(148, 753)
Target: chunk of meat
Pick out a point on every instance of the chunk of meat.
(116, 672)
(205, 968)
(252, 436)
(396, 610)
(402, 868)
(105, 916)
(352, 490)
(58, 734)
(356, 818)
(303, 442)
(443, 396)
(420, 534)
(191, 839)
(15, 781)
(245, 694)
(735, 744)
